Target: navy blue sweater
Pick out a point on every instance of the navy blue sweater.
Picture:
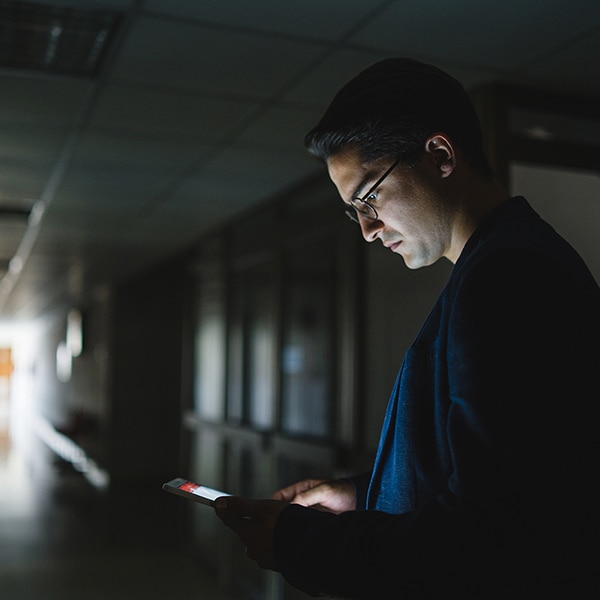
(484, 481)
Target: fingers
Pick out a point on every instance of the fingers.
(290, 492)
(335, 496)
(318, 495)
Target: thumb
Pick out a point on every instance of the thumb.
(227, 506)
(238, 507)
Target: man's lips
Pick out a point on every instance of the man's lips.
(393, 246)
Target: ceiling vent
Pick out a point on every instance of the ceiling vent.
(54, 40)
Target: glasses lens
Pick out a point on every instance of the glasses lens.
(364, 208)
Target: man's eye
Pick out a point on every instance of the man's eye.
(371, 197)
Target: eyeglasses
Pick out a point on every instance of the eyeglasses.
(361, 206)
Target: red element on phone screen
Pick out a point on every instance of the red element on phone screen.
(188, 486)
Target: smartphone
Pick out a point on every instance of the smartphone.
(193, 491)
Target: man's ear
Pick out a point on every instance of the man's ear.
(441, 149)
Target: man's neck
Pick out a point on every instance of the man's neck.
(479, 196)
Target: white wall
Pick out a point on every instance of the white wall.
(569, 200)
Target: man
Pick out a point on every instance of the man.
(483, 482)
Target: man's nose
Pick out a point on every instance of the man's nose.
(370, 228)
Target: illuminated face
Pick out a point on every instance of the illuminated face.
(413, 215)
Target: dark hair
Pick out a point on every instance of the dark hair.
(390, 109)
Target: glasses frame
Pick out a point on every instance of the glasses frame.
(362, 206)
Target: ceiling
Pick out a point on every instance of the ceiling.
(197, 111)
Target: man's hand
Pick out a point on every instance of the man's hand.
(332, 495)
(254, 523)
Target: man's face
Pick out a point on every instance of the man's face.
(414, 215)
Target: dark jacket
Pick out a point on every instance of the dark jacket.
(484, 481)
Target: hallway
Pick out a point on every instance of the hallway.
(61, 539)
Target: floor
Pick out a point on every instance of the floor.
(62, 539)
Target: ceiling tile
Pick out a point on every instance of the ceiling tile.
(187, 55)
(466, 31)
(30, 144)
(123, 191)
(23, 182)
(318, 86)
(63, 99)
(94, 4)
(283, 127)
(164, 113)
(335, 17)
(125, 150)
(261, 169)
